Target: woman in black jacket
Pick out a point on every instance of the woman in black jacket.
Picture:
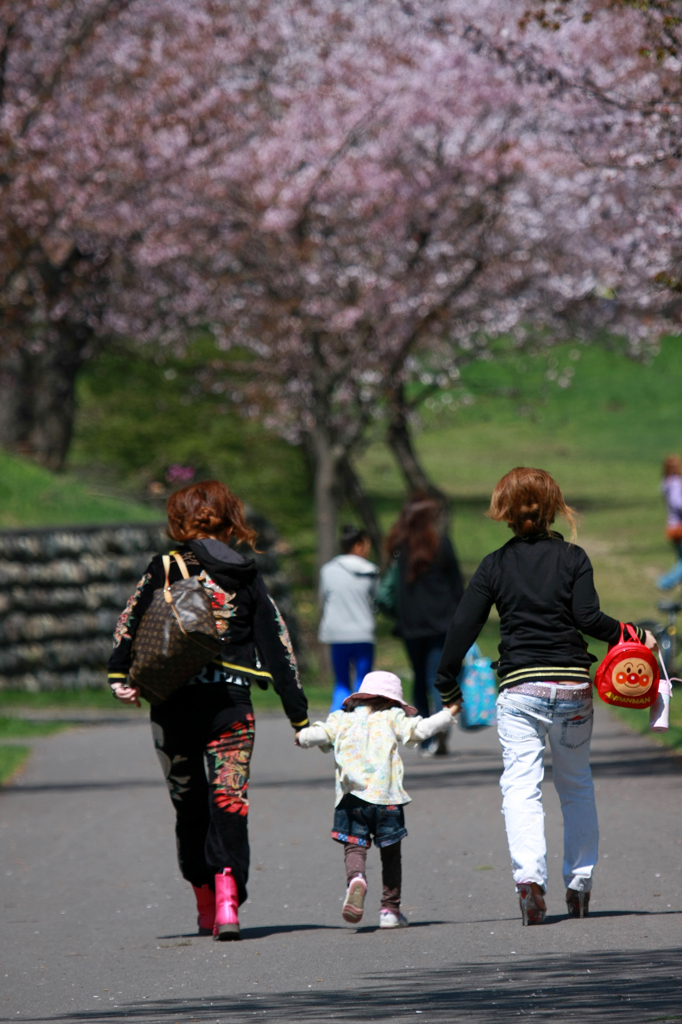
(429, 589)
(209, 720)
(545, 596)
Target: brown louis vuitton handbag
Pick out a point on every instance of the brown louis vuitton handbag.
(176, 637)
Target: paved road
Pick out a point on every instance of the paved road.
(98, 927)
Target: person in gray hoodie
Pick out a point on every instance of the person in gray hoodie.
(348, 585)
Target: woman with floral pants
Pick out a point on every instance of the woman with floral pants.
(204, 732)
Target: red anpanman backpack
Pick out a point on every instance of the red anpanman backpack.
(628, 676)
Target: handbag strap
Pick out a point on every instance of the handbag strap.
(166, 559)
(169, 597)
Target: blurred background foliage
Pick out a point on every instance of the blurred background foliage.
(598, 421)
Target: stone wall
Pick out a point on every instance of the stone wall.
(62, 591)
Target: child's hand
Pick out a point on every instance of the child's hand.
(454, 708)
(296, 738)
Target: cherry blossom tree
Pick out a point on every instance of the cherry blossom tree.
(340, 190)
(104, 106)
(416, 205)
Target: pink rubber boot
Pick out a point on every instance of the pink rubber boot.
(226, 926)
(205, 898)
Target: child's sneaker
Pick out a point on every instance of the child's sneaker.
(388, 919)
(355, 899)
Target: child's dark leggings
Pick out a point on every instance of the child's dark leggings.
(391, 871)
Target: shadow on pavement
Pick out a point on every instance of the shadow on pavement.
(597, 988)
(627, 762)
(371, 928)
(49, 787)
(621, 763)
(262, 932)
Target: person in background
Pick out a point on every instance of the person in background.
(347, 587)
(204, 732)
(671, 488)
(429, 589)
(364, 736)
(544, 592)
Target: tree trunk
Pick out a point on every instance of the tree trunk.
(357, 495)
(37, 396)
(326, 465)
(399, 439)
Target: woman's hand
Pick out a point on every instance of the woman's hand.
(650, 640)
(454, 708)
(127, 694)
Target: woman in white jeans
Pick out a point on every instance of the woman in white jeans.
(544, 593)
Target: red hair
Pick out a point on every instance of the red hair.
(416, 533)
(529, 500)
(208, 509)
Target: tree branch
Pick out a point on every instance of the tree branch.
(358, 496)
(4, 54)
(87, 28)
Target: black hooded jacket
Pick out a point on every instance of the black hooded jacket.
(544, 591)
(254, 635)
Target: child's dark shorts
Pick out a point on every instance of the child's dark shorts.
(356, 821)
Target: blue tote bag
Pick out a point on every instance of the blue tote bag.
(479, 691)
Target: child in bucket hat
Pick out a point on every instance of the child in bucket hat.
(364, 735)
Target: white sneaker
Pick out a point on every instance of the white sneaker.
(387, 919)
(355, 899)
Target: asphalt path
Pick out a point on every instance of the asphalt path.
(97, 926)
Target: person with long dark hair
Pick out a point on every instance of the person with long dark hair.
(429, 589)
(204, 732)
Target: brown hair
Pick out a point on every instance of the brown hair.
(373, 703)
(672, 466)
(416, 533)
(529, 501)
(208, 509)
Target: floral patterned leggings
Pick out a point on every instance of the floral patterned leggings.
(205, 751)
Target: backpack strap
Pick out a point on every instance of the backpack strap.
(627, 634)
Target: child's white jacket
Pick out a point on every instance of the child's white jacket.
(365, 746)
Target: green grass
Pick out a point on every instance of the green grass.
(18, 728)
(138, 415)
(603, 438)
(32, 496)
(11, 760)
(13, 756)
(60, 699)
(12, 725)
